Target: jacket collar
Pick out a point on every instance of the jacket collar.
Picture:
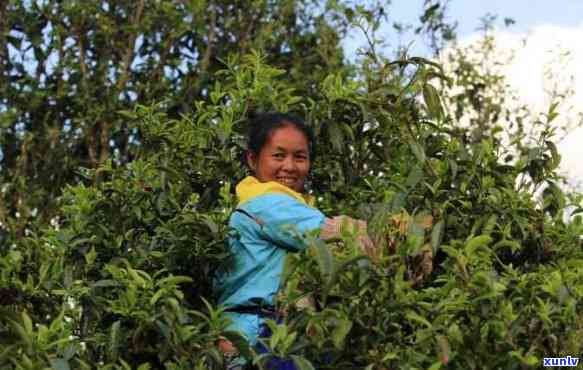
(250, 188)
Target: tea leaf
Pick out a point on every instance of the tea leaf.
(302, 363)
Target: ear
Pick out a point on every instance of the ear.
(251, 159)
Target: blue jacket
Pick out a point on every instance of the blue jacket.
(270, 224)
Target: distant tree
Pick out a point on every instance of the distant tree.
(479, 97)
(67, 68)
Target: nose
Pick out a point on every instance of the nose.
(289, 165)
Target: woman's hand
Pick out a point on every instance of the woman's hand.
(226, 346)
(333, 228)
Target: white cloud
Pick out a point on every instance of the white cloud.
(546, 59)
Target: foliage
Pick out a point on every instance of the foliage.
(121, 277)
(67, 69)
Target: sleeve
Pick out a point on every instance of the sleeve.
(285, 220)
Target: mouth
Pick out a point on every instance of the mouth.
(287, 181)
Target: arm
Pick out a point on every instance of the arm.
(284, 220)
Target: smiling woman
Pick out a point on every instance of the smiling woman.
(272, 216)
(283, 156)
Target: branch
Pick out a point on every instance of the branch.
(82, 64)
(244, 39)
(167, 46)
(92, 145)
(3, 46)
(105, 126)
(205, 62)
(129, 55)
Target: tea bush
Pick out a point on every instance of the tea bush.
(122, 278)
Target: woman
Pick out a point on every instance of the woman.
(272, 215)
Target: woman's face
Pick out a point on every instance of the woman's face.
(285, 158)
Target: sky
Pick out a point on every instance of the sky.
(546, 36)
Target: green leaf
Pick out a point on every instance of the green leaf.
(433, 102)
(329, 285)
(138, 276)
(418, 151)
(389, 356)
(125, 365)
(336, 136)
(81, 241)
(454, 168)
(7, 352)
(324, 259)
(68, 277)
(398, 202)
(454, 333)
(44, 269)
(513, 245)
(552, 112)
(22, 333)
(289, 266)
(27, 323)
(415, 176)
(27, 362)
(553, 199)
(340, 332)
(422, 61)
(278, 333)
(477, 242)
(213, 227)
(556, 157)
(436, 366)
(415, 317)
(114, 338)
(490, 224)
(106, 283)
(288, 341)
(214, 353)
(90, 256)
(58, 342)
(301, 363)
(437, 235)
(529, 360)
(175, 280)
(157, 296)
(128, 114)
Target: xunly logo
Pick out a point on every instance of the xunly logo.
(561, 361)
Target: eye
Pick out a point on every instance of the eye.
(279, 155)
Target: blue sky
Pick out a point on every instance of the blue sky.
(527, 14)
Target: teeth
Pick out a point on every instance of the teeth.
(286, 180)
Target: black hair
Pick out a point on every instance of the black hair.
(262, 126)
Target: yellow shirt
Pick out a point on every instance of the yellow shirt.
(250, 188)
